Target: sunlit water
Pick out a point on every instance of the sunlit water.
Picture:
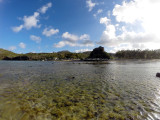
(125, 90)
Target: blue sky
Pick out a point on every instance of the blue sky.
(76, 25)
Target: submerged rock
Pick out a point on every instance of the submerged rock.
(70, 78)
(43, 80)
(158, 75)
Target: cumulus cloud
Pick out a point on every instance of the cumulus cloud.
(131, 39)
(90, 5)
(29, 22)
(33, 20)
(140, 29)
(86, 43)
(104, 20)
(49, 32)
(44, 8)
(12, 48)
(37, 39)
(84, 37)
(74, 40)
(22, 45)
(98, 12)
(82, 50)
(85, 40)
(18, 28)
(60, 44)
(70, 37)
(144, 11)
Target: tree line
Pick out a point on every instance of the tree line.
(123, 54)
(138, 54)
(57, 55)
(8, 55)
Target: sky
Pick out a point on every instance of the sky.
(79, 25)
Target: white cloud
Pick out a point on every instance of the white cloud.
(33, 20)
(98, 12)
(110, 39)
(144, 11)
(44, 8)
(60, 44)
(82, 50)
(37, 39)
(12, 48)
(131, 39)
(141, 28)
(70, 37)
(74, 40)
(85, 41)
(109, 13)
(22, 45)
(126, 11)
(17, 29)
(84, 37)
(104, 20)
(29, 22)
(90, 5)
(49, 32)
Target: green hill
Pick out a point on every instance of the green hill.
(6, 53)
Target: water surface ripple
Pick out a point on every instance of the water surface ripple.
(121, 90)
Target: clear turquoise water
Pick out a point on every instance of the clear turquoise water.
(72, 91)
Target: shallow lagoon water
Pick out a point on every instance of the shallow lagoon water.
(121, 90)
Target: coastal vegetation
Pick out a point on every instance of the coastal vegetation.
(6, 53)
(138, 54)
(67, 55)
(62, 55)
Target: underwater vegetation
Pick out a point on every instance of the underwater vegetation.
(68, 99)
(1, 75)
(60, 91)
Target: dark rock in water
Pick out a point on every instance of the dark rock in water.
(99, 53)
(43, 80)
(158, 75)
